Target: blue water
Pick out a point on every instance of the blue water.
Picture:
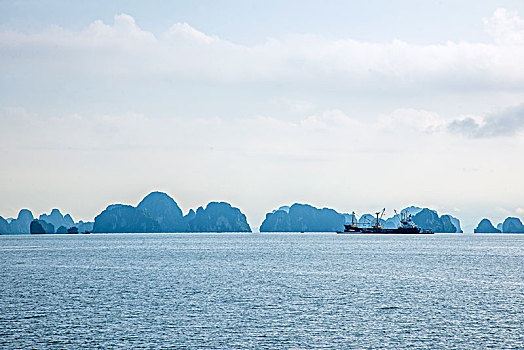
(258, 291)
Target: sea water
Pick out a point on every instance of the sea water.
(241, 291)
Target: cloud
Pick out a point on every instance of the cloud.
(508, 122)
(124, 50)
(411, 119)
(123, 29)
(506, 27)
(293, 105)
(332, 120)
(184, 31)
(322, 133)
(319, 137)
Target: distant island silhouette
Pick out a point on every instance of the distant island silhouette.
(158, 212)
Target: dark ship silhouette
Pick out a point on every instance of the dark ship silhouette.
(406, 225)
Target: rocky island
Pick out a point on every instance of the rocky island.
(510, 225)
(303, 218)
(485, 226)
(158, 212)
(55, 222)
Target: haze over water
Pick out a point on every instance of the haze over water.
(262, 290)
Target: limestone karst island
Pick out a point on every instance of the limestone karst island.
(158, 212)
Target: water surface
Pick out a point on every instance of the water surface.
(257, 291)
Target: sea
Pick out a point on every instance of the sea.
(262, 291)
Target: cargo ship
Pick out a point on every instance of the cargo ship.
(406, 225)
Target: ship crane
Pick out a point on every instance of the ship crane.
(400, 217)
(376, 223)
(368, 220)
(396, 214)
(381, 213)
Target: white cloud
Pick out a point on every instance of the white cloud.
(412, 120)
(124, 29)
(506, 27)
(293, 105)
(332, 120)
(311, 61)
(186, 32)
(329, 131)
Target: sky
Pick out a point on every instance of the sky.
(353, 106)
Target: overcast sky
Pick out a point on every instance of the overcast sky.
(263, 104)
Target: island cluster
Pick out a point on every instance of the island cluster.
(158, 212)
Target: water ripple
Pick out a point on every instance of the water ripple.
(262, 291)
